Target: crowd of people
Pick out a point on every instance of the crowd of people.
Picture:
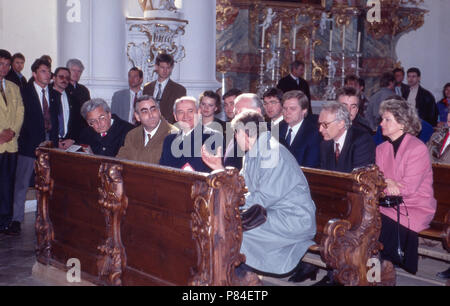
(400, 128)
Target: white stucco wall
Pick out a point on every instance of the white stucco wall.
(29, 27)
(428, 47)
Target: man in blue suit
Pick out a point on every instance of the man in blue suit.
(183, 150)
(41, 104)
(122, 103)
(297, 133)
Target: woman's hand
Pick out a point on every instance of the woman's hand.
(213, 161)
(393, 187)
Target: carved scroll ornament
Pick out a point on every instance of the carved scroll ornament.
(112, 259)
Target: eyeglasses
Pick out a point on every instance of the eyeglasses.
(61, 77)
(270, 103)
(93, 122)
(325, 125)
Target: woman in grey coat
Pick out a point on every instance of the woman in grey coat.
(276, 182)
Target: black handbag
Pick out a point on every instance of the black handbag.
(253, 217)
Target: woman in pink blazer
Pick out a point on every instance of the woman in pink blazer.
(406, 165)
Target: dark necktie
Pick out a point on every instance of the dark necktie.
(337, 152)
(288, 137)
(158, 97)
(3, 92)
(46, 111)
(62, 131)
(133, 118)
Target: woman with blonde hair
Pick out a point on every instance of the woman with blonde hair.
(406, 165)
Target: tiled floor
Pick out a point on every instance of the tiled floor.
(17, 259)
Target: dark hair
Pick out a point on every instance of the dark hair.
(362, 83)
(47, 58)
(398, 70)
(351, 77)
(347, 91)
(17, 55)
(164, 58)
(387, 78)
(38, 63)
(59, 69)
(145, 98)
(443, 90)
(232, 92)
(5, 54)
(296, 64)
(141, 73)
(302, 99)
(273, 92)
(414, 70)
(213, 95)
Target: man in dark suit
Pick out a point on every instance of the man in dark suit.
(79, 91)
(400, 88)
(123, 101)
(183, 150)
(164, 90)
(344, 147)
(294, 81)
(272, 100)
(297, 133)
(420, 97)
(106, 132)
(15, 73)
(348, 96)
(40, 123)
(70, 120)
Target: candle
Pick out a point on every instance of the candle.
(343, 37)
(263, 37)
(331, 40)
(279, 34)
(295, 37)
(359, 42)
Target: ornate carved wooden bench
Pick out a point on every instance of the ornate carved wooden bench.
(138, 224)
(348, 223)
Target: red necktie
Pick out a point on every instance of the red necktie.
(46, 110)
(337, 152)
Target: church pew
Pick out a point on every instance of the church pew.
(137, 224)
(440, 225)
(348, 223)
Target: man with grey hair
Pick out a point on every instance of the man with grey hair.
(145, 142)
(183, 150)
(105, 133)
(344, 147)
(79, 91)
(246, 101)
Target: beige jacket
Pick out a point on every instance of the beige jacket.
(11, 115)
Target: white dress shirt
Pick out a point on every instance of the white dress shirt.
(66, 110)
(341, 142)
(163, 86)
(294, 132)
(149, 135)
(39, 93)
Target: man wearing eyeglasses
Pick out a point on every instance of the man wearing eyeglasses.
(70, 120)
(272, 105)
(106, 133)
(344, 147)
(348, 96)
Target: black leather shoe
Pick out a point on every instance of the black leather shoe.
(305, 271)
(444, 274)
(13, 229)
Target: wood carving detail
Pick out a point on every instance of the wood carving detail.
(217, 229)
(112, 259)
(347, 249)
(43, 225)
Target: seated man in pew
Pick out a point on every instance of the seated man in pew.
(144, 143)
(276, 182)
(183, 150)
(105, 133)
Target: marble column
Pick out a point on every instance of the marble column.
(197, 71)
(94, 32)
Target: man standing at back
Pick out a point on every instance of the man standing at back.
(387, 83)
(40, 123)
(15, 74)
(11, 118)
(79, 91)
(164, 90)
(123, 101)
(294, 81)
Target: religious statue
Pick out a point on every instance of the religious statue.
(150, 5)
(268, 20)
(331, 66)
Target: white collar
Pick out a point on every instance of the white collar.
(153, 132)
(277, 120)
(341, 141)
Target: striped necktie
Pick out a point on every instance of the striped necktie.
(3, 92)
